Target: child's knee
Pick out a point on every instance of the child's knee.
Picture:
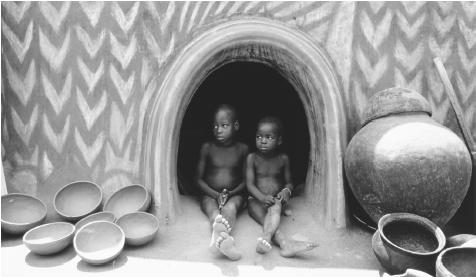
(275, 208)
(230, 209)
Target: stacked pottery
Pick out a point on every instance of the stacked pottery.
(401, 160)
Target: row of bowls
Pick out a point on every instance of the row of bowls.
(97, 237)
(407, 241)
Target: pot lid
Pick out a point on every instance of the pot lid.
(394, 101)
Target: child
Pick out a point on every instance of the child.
(268, 179)
(220, 177)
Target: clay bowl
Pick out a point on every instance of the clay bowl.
(409, 241)
(139, 227)
(101, 216)
(49, 238)
(99, 242)
(456, 262)
(21, 212)
(77, 200)
(129, 199)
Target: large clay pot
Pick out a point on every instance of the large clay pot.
(401, 160)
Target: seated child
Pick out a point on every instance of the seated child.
(268, 179)
(220, 177)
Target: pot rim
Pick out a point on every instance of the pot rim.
(439, 263)
(144, 203)
(70, 233)
(118, 248)
(75, 217)
(43, 205)
(409, 217)
(139, 213)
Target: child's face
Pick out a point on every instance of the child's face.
(224, 127)
(267, 138)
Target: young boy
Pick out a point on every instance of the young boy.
(268, 179)
(220, 177)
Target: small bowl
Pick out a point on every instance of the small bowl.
(101, 216)
(410, 241)
(129, 199)
(456, 262)
(49, 238)
(77, 200)
(139, 227)
(99, 242)
(21, 212)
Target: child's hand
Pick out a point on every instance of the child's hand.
(268, 200)
(283, 196)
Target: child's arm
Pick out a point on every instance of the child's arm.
(285, 193)
(250, 183)
(239, 189)
(204, 187)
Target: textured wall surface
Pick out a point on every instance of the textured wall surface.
(74, 75)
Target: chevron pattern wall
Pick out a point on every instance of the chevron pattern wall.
(75, 74)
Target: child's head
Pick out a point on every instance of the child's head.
(268, 134)
(225, 123)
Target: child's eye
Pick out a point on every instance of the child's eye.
(225, 125)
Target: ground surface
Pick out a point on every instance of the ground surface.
(180, 249)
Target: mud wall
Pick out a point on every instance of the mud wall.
(75, 75)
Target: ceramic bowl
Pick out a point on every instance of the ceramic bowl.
(456, 262)
(409, 241)
(139, 227)
(128, 199)
(99, 242)
(49, 238)
(77, 200)
(21, 212)
(101, 216)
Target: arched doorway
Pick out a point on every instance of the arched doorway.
(290, 52)
(255, 90)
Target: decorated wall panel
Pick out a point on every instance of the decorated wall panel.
(75, 75)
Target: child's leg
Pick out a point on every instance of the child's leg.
(272, 220)
(231, 208)
(260, 214)
(289, 248)
(209, 207)
(220, 240)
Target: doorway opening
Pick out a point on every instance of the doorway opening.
(293, 54)
(255, 90)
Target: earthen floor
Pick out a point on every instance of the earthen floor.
(180, 249)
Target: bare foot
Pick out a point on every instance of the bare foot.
(226, 244)
(219, 225)
(292, 248)
(263, 246)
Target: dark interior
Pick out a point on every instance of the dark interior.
(255, 90)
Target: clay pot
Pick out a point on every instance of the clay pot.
(129, 199)
(405, 241)
(49, 238)
(139, 227)
(401, 160)
(21, 212)
(99, 242)
(77, 200)
(456, 262)
(460, 239)
(101, 216)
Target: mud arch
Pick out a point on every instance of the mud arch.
(296, 57)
